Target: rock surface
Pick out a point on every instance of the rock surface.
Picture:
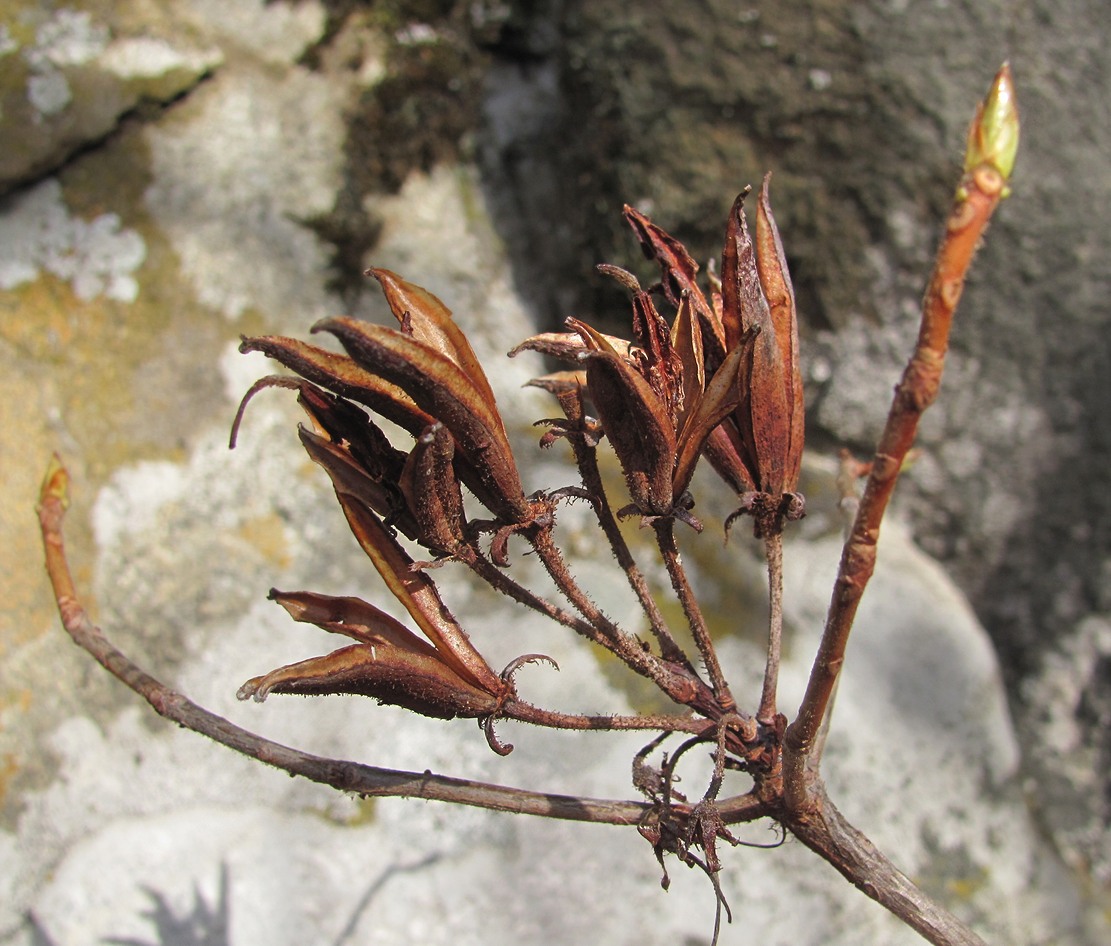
(144, 238)
(69, 77)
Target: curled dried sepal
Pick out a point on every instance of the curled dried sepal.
(561, 383)
(678, 268)
(569, 388)
(679, 274)
(566, 346)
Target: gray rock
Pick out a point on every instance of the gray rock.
(69, 77)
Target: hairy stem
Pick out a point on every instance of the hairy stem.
(646, 664)
(773, 546)
(601, 629)
(527, 713)
(500, 581)
(669, 551)
(587, 462)
(679, 683)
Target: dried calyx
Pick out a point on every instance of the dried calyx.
(425, 378)
(723, 379)
(720, 378)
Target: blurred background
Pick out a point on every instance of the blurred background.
(174, 175)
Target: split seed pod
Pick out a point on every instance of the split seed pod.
(759, 449)
(388, 662)
(425, 377)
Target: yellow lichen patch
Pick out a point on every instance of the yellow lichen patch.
(965, 888)
(28, 440)
(364, 812)
(18, 700)
(14, 705)
(354, 812)
(71, 380)
(9, 768)
(266, 533)
(106, 359)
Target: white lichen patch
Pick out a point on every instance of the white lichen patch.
(275, 32)
(233, 177)
(417, 34)
(7, 41)
(48, 92)
(820, 79)
(98, 257)
(69, 38)
(136, 57)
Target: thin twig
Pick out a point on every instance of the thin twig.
(524, 712)
(502, 582)
(586, 459)
(669, 551)
(976, 200)
(850, 472)
(511, 588)
(773, 546)
(680, 684)
(527, 713)
(604, 631)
